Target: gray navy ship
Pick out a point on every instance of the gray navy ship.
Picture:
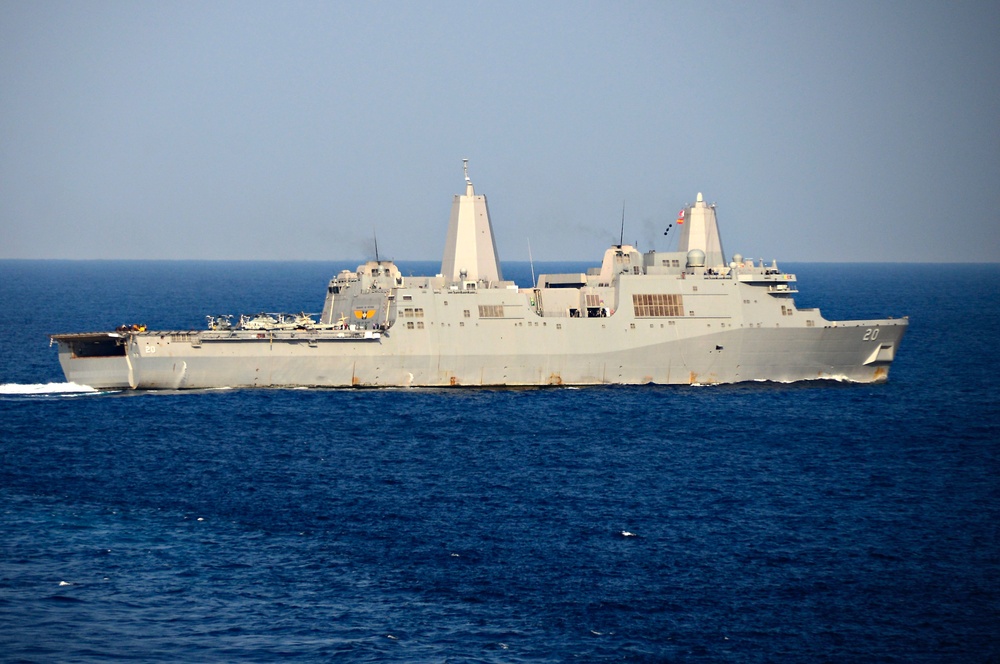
(675, 317)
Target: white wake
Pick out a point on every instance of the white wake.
(46, 388)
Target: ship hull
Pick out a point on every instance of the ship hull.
(663, 317)
(856, 351)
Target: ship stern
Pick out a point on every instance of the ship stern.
(98, 359)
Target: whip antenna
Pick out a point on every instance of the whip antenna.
(532, 263)
(621, 238)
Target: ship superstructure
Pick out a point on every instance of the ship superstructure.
(675, 317)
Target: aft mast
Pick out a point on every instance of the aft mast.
(470, 253)
(700, 230)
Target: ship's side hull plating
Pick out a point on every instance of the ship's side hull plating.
(523, 355)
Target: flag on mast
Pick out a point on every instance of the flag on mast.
(680, 217)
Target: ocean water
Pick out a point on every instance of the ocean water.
(749, 523)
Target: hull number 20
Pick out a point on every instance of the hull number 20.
(871, 334)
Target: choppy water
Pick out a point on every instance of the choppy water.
(750, 523)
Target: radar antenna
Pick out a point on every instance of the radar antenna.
(465, 167)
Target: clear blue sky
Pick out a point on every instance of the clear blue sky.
(824, 131)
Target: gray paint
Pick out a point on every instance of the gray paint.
(658, 317)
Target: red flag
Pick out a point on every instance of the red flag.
(680, 217)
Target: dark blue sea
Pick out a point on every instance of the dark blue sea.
(750, 523)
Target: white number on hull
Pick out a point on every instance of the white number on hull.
(152, 349)
(871, 334)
